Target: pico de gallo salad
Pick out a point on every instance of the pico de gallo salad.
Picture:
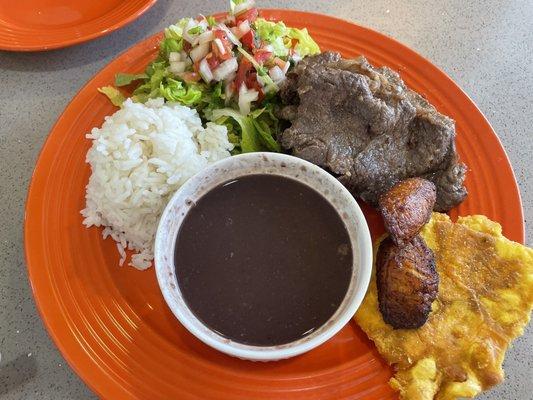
(229, 70)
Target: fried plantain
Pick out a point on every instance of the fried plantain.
(484, 302)
(407, 207)
(407, 282)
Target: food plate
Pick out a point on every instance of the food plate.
(34, 25)
(112, 324)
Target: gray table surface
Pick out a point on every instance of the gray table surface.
(485, 46)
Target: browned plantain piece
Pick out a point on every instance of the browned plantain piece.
(407, 282)
(407, 207)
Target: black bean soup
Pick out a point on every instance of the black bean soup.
(263, 260)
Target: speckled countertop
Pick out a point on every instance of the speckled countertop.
(485, 46)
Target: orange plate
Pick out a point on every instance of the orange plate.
(34, 25)
(112, 324)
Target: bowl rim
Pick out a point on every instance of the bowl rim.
(273, 164)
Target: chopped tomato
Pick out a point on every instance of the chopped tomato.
(245, 68)
(250, 15)
(228, 46)
(220, 34)
(248, 40)
(190, 76)
(251, 83)
(230, 21)
(246, 74)
(212, 61)
(262, 55)
(216, 51)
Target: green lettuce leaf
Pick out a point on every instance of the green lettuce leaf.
(267, 125)
(125, 79)
(156, 72)
(196, 30)
(249, 137)
(212, 99)
(306, 45)
(169, 45)
(273, 33)
(113, 94)
(211, 21)
(174, 90)
(255, 130)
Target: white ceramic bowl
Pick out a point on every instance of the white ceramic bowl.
(274, 164)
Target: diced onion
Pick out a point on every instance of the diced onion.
(233, 39)
(203, 24)
(246, 97)
(284, 65)
(199, 51)
(228, 91)
(269, 48)
(174, 56)
(192, 39)
(230, 77)
(276, 74)
(244, 6)
(206, 37)
(177, 67)
(205, 71)
(225, 69)
(220, 46)
(244, 28)
(267, 83)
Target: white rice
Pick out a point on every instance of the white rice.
(139, 157)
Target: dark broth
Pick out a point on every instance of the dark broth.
(263, 260)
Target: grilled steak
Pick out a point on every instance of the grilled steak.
(365, 126)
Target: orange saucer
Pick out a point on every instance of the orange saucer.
(35, 25)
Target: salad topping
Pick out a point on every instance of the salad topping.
(233, 66)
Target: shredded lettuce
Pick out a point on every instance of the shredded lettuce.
(174, 90)
(113, 94)
(156, 73)
(212, 99)
(306, 45)
(196, 30)
(267, 125)
(279, 37)
(273, 34)
(125, 79)
(211, 21)
(249, 137)
(173, 40)
(256, 130)
(169, 45)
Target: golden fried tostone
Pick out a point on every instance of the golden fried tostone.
(484, 302)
